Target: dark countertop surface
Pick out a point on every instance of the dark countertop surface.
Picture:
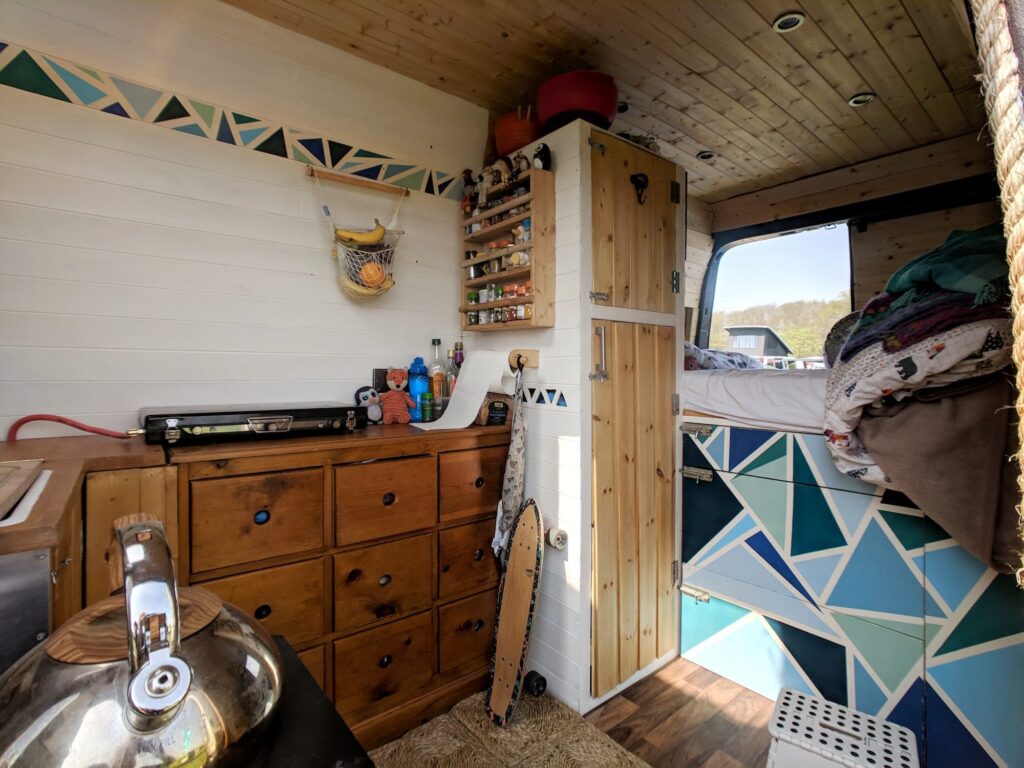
(306, 731)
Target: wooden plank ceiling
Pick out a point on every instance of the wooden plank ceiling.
(697, 74)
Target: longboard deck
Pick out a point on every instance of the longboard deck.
(517, 595)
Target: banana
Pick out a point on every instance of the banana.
(351, 237)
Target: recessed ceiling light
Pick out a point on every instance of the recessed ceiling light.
(788, 21)
(705, 155)
(861, 99)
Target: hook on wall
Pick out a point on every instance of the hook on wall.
(640, 181)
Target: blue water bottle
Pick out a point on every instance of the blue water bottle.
(419, 382)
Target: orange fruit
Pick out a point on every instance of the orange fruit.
(372, 274)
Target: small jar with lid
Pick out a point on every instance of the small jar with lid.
(472, 318)
(486, 316)
(527, 311)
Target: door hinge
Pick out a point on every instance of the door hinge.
(675, 405)
(698, 474)
(599, 296)
(677, 576)
(597, 145)
(674, 191)
(696, 430)
(675, 281)
(698, 595)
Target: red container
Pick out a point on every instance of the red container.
(584, 93)
(513, 131)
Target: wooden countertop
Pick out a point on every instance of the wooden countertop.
(69, 458)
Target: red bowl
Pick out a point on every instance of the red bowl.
(512, 132)
(584, 94)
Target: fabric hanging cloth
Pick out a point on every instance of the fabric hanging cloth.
(513, 486)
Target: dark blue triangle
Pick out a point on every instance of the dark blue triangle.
(429, 189)
(821, 660)
(369, 173)
(224, 132)
(743, 442)
(338, 152)
(116, 109)
(442, 186)
(896, 499)
(316, 148)
(274, 144)
(2, 47)
(760, 544)
(910, 714)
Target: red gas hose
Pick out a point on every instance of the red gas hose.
(12, 433)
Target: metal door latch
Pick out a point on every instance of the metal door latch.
(599, 296)
(597, 145)
(698, 474)
(696, 430)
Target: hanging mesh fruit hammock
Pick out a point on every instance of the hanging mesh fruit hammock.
(365, 257)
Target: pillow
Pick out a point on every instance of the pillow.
(697, 359)
(837, 337)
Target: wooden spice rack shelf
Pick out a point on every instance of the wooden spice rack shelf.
(539, 249)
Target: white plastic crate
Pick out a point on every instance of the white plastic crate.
(808, 732)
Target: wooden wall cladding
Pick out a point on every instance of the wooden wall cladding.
(699, 74)
(634, 601)
(882, 248)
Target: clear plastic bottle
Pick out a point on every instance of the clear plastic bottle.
(438, 375)
(418, 384)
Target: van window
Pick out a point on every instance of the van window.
(776, 299)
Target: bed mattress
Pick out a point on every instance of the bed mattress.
(791, 401)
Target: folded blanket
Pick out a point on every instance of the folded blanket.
(973, 349)
(697, 359)
(953, 457)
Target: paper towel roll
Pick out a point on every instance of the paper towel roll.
(482, 371)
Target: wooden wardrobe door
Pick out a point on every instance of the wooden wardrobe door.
(634, 243)
(634, 614)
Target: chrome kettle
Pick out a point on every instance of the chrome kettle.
(136, 682)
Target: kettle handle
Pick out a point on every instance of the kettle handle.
(160, 677)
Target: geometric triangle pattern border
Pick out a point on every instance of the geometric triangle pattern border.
(63, 80)
(900, 610)
(553, 398)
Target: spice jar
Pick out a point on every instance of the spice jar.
(527, 311)
(521, 289)
(472, 318)
(486, 316)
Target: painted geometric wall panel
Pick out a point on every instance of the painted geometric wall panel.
(56, 78)
(847, 591)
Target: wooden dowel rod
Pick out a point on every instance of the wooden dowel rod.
(355, 181)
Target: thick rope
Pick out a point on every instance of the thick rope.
(1000, 81)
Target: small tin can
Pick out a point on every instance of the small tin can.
(427, 406)
(472, 318)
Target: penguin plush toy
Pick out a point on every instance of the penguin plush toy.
(542, 157)
(369, 397)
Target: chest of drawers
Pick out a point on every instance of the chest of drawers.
(370, 553)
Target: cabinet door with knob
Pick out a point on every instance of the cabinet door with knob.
(466, 560)
(385, 498)
(471, 482)
(635, 199)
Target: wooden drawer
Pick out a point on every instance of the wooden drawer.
(471, 482)
(385, 498)
(466, 632)
(313, 660)
(381, 581)
(466, 560)
(380, 668)
(288, 600)
(255, 517)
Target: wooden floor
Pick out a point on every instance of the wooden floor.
(684, 715)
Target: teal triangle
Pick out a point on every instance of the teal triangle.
(817, 571)
(801, 467)
(23, 73)
(852, 508)
(299, 155)
(998, 613)
(987, 689)
(250, 134)
(241, 119)
(84, 90)
(870, 698)
(172, 110)
(393, 169)
(413, 180)
(350, 165)
(91, 72)
(816, 452)
(368, 153)
(952, 571)
(704, 437)
(205, 111)
(877, 578)
(743, 524)
(751, 656)
(140, 97)
(771, 462)
(699, 622)
(766, 499)
(913, 531)
(891, 655)
(716, 449)
(194, 128)
(441, 175)
(814, 526)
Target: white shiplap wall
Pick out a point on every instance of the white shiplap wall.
(141, 267)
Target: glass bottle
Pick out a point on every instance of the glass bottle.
(437, 372)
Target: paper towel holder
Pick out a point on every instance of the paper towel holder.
(525, 358)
